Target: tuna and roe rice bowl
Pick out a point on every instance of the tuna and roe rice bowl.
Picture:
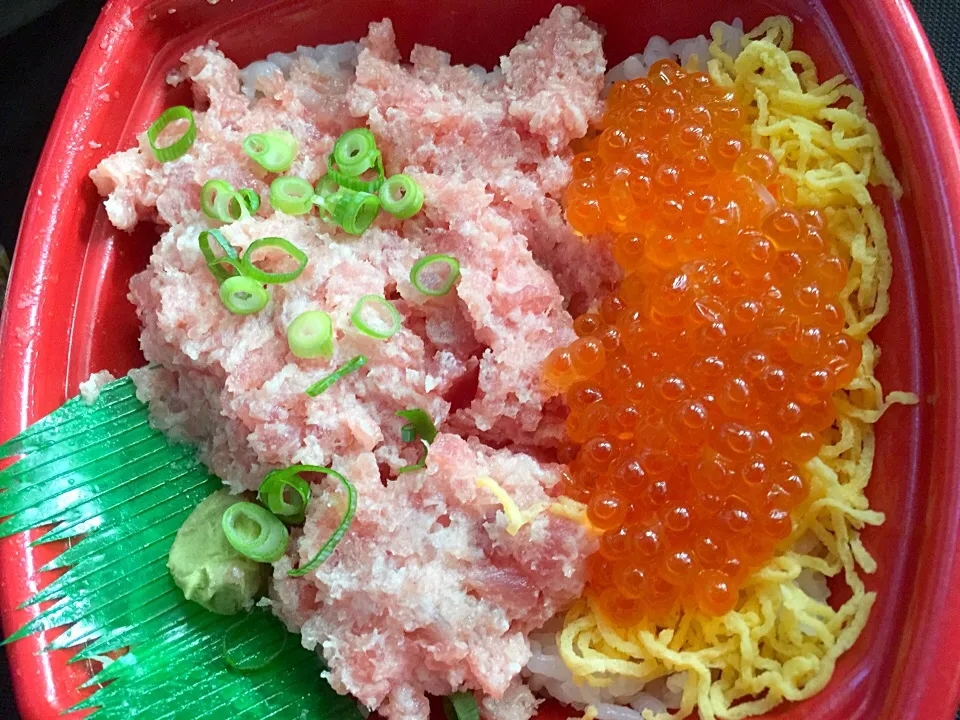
(551, 380)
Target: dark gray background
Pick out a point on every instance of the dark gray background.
(38, 50)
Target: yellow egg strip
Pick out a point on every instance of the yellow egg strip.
(516, 518)
(780, 643)
(571, 510)
(589, 713)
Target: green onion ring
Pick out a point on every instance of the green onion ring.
(242, 295)
(208, 195)
(422, 424)
(325, 208)
(348, 367)
(326, 194)
(220, 201)
(355, 152)
(214, 262)
(331, 544)
(230, 660)
(401, 196)
(229, 262)
(393, 315)
(358, 183)
(271, 538)
(461, 706)
(355, 211)
(291, 195)
(179, 146)
(326, 187)
(424, 263)
(251, 198)
(420, 464)
(274, 151)
(273, 278)
(272, 493)
(310, 335)
(230, 207)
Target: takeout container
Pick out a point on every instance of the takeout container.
(67, 314)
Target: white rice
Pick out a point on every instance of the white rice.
(689, 52)
(623, 699)
(328, 58)
(90, 388)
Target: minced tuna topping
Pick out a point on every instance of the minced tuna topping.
(428, 593)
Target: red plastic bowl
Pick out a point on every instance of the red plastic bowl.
(67, 314)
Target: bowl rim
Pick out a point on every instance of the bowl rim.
(46, 685)
(933, 617)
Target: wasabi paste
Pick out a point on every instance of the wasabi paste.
(207, 568)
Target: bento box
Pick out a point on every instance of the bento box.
(67, 315)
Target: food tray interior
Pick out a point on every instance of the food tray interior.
(68, 315)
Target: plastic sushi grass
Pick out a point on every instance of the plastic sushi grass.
(119, 490)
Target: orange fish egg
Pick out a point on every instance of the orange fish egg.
(699, 388)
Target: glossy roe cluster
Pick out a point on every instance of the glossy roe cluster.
(702, 385)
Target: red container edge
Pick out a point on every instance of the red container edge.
(37, 375)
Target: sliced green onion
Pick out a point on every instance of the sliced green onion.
(220, 201)
(326, 196)
(213, 262)
(420, 464)
(273, 278)
(355, 152)
(291, 195)
(208, 195)
(461, 706)
(326, 187)
(355, 211)
(388, 316)
(179, 146)
(274, 151)
(310, 335)
(420, 422)
(231, 206)
(360, 183)
(229, 262)
(251, 198)
(422, 427)
(348, 367)
(255, 532)
(242, 295)
(330, 545)
(273, 493)
(230, 650)
(425, 267)
(401, 196)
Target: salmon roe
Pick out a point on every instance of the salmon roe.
(701, 385)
